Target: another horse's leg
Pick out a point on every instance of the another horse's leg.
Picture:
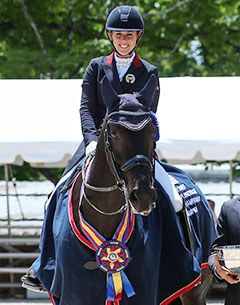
(197, 295)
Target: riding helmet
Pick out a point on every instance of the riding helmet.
(124, 18)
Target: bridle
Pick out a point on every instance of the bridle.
(137, 160)
(117, 170)
(121, 185)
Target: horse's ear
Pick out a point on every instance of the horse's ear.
(110, 97)
(148, 91)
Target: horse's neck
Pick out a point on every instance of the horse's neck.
(102, 176)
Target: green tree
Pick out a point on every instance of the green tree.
(57, 39)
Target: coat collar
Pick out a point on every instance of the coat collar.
(136, 68)
(137, 63)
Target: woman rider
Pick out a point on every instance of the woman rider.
(127, 73)
(125, 70)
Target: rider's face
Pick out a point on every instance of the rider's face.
(124, 42)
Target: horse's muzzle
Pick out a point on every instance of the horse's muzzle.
(144, 213)
(143, 201)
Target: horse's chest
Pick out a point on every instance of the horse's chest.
(89, 286)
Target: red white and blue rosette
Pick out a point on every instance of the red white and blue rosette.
(113, 257)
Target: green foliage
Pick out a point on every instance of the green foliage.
(235, 167)
(21, 173)
(236, 171)
(27, 173)
(57, 39)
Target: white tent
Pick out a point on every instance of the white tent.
(39, 121)
(198, 120)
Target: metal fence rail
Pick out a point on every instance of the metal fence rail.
(15, 258)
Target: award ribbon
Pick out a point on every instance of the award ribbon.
(112, 256)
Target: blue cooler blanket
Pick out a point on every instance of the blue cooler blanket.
(160, 268)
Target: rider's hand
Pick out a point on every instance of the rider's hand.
(91, 148)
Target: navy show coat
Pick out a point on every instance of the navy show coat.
(92, 108)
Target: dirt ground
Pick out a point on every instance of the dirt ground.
(216, 297)
(211, 301)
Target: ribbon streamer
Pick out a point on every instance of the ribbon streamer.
(112, 256)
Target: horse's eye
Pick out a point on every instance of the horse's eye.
(114, 134)
(154, 132)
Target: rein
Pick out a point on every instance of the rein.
(119, 211)
(123, 188)
(96, 188)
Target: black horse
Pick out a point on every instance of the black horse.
(111, 235)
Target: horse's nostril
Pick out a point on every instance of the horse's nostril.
(133, 195)
(143, 199)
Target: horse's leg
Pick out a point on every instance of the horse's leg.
(197, 295)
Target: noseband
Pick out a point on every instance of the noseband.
(136, 161)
